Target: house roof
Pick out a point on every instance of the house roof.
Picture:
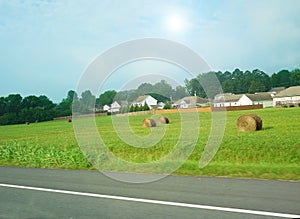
(192, 100)
(236, 97)
(115, 103)
(141, 98)
(227, 98)
(260, 96)
(277, 89)
(289, 92)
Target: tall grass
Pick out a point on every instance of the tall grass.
(272, 153)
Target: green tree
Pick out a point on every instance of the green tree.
(13, 103)
(193, 86)
(145, 107)
(2, 106)
(281, 79)
(131, 109)
(145, 88)
(295, 77)
(65, 106)
(163, 88)
(210, 85)
(107, 97)
(167, 106)
(256, 86)
(179, 93)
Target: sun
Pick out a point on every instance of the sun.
(175, 23)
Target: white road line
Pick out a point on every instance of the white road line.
(149, 201)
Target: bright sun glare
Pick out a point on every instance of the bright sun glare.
(175, 23)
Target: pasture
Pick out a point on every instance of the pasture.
(271, 153)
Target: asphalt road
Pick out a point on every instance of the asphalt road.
(44, 193)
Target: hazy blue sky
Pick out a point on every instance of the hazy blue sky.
(46, 45)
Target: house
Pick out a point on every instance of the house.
(146, 99)
(160, 105)
(276, 90)
(226, 100)
(191, 102)
(264, 98)
(113, 108)
(287, 97)
(106, 108)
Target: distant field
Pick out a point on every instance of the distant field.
(272, 153)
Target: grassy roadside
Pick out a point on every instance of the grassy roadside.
(273, 153)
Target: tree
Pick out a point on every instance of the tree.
(145, 107)
(30, 102)
(193, 87)
(2, 106)
(281, 79)
(209, 84)
(72, 95)
(256, 86)
(167, 106)
(163, 88)
(13, 103)
(179, 93)
(228, 86)
(295, 77)
(145, 88)
(107, 97)
(65, 106)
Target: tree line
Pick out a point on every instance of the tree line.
(15, 109)
(239, 82)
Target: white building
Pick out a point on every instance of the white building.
(191, 102)
(113, 108)
(106, 108)
(160, 105)
(147, 99)
(225, 100)
(287, 97)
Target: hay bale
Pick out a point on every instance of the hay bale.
(249, 122)
(163, 120)
(149, 122)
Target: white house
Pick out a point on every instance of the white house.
(147, 99)
(106, 108)
(191, 102)
(264, 98)
(113, 108)
(287, 97)
(224, 100)
(160, 105)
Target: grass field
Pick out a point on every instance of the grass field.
(272, 153)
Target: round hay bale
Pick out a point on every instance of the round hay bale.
(163, 120)
(249, 122)
(149, 122)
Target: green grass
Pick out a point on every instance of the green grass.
(272, 153)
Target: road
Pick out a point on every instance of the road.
(45, 193)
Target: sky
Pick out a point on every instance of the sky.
(46, 46)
